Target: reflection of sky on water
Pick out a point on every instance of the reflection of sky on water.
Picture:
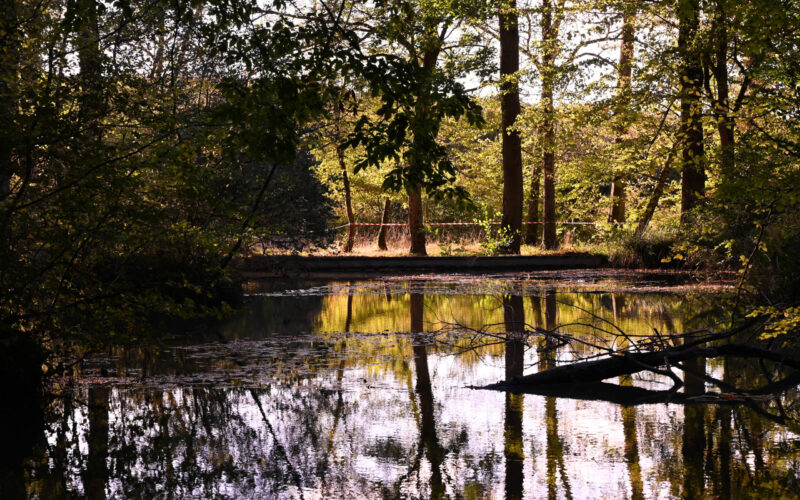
(344, 414)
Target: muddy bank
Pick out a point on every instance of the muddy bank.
(352, 267)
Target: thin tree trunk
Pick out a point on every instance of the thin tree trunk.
(618, 194)
(549, 39)
(387, 207)
(348, 203)
(512, 147)
(532, 231)
(691, 128)
(658, 190)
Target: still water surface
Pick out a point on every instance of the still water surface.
(367, 390)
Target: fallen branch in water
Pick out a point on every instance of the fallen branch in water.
(623, 363)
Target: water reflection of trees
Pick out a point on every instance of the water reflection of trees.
(315, 429)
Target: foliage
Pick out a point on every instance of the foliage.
(652, 249)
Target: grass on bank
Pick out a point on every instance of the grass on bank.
(656, 248)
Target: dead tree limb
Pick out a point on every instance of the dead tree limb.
(630, 363)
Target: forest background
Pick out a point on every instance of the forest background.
(144, 146)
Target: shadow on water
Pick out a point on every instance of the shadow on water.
(350, 390)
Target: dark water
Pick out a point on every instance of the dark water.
(365, 390)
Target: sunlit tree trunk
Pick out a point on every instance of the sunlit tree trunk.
(387, 208)
(691, 125)
(625, 70)
(512, 147)
(549, 41)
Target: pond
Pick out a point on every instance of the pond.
(373, 389)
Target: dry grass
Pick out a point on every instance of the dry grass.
(398, 244)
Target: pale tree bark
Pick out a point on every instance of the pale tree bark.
(691, 126)
(512, 147)
(549, 42)
(625, 71)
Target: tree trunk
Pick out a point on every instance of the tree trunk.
(348, 203)
(512, 147)
(532, 231)
(618, 195)
(416, 226)
(9, 62)
(658, 190)
(91, 66)
(549, 40)
(722, 107)
(691, 127)
(387, 207)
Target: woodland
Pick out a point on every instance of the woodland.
(146, 147)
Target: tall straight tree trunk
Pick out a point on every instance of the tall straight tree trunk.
(387, 207)
(512, 147)
(691, 127)
(549, 40)
(618, 195)
(532, 231)
(348, 203)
